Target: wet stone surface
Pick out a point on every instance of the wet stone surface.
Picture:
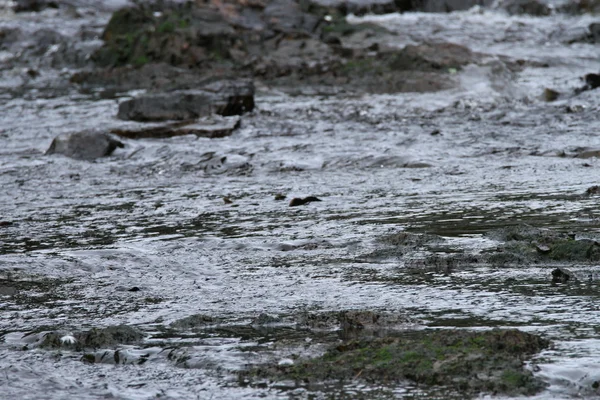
(370, 205)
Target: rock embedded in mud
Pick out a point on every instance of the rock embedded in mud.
(87, 145)
(593, 190)
(226, 99)
(206, 127)
(561, 275)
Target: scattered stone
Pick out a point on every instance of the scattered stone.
(561, 275)
(296, 201)
(134, 289)
(279, 197)
(227, 200)
(87, 145)
(6, 223)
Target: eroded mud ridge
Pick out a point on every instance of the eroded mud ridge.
(299, 199)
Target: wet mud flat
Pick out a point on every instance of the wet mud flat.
(379, 216)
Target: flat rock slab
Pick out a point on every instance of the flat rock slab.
(205, 127)
(87, 145)
(229, 98)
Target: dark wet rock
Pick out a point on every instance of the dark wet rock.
(84, 145)
(283, 42)
(594, 35)
(561, 275)
(226, 99)
(134, 289)
(592, 81)
(280, 196)
(530, 7)
(296, 201)
(580, 7)
(207, 127)
(95, 338)
(6, 223)
(33, 5)
(593, 191)
(474, 362)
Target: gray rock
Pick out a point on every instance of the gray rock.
(224, 98)
(531, 7)
(84, 145)
(167, 106)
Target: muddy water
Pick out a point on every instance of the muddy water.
(144, 237)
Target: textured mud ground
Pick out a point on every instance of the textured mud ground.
(144, 239)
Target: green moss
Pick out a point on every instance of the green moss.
(166, 27)
(139, 61)
(429, 358)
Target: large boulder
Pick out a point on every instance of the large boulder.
(87, 145)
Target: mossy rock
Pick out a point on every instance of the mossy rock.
(469, 362)
(180, 34)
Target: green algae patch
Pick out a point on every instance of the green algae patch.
(524, 243)
(467, 362)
